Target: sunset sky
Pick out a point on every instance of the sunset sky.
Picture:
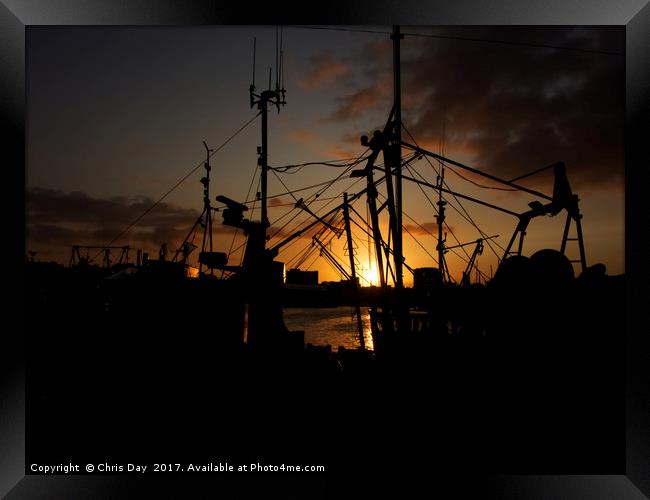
(116, 116)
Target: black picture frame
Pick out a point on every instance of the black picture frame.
(633, 14)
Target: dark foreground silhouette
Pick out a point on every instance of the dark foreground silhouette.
(526, 375)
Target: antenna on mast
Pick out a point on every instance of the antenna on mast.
(263, 100)
(279, 69)
(282, 91)
(396, 36)
(440, 219)
(281, 59)
(251, 89)
(277, 56)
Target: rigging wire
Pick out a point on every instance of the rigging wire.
(344, 190)
(469, 217)
(314, 231)
(311, 199)
(284, 185)
(436, 210)
(300, 189)
(310, 246)
(312, 262)
(307, 252)
(275, 222)
(257, 187)
(286, 224)
(318, 232)
(463, 38)
(338, 177)
(384, 245)
(183, 179)
(357, 240)
(424, 229)
(520, 44)
(358, 160)
(327, 163)
(466, 217)
(476, 183)
(294, 208)
(433, 205)
(279, 205)
(303, 255)
(446, 224)
(321, 209)
(236, 233)
(453, 250)
(435, 261)
(254, 201)
(357, 262)
(338, 258)
(307, 221)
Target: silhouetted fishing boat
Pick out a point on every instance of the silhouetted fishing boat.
(188, 326)
(248, 298)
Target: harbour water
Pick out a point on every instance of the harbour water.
(335, 326)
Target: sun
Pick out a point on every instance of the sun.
(369, 277)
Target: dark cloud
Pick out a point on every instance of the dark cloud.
(353, 104)
(323, 69)
(426, 229)
(279, 202)
(53, 206)
(508, 109)
(422, 229)
(48, 234)
(58, 220)
(513, 109)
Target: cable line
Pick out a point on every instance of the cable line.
(466, 39)
(183, 179)
(469, 217)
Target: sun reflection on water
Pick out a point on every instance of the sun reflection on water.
(335, 326)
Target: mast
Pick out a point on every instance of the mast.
(265, 323)
(263, 106)
(275, 98)
(440, 218)
(397, 87)
(207, 208)
(266, 97)
(371, 193)
(353, 273)
(396, 154)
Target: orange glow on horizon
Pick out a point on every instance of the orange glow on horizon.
(369, 277)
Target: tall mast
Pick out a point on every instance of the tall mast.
(397, 87)
(440, 218)
(375, 145)
(353, 272)
(207, 208)
(274, 98)
(263, 160)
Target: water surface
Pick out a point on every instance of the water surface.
(335, 326)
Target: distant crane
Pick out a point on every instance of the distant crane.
(77, 259)
(478, 250)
